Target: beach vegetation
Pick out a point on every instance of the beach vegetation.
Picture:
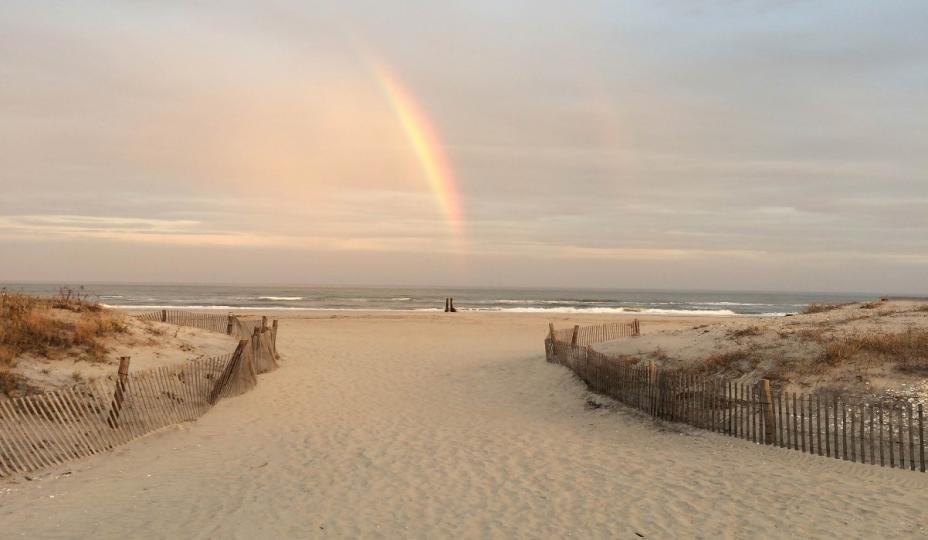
(726, 362)
(49, 326)
(747, 331)
(822, 308)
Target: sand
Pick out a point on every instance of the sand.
(148, 344)
(791, 350)
(432, 426)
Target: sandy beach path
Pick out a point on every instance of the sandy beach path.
(429, 427)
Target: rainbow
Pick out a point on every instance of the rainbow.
(426, 144)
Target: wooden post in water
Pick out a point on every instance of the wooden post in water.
(770, 420)
(119, 394)
(575, 335)
(451, 305)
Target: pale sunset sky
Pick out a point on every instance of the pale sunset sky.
(754, 144)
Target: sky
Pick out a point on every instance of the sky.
(681, 144)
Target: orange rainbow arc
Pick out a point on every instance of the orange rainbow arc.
(427, 147)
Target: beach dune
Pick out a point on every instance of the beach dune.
(434, 425)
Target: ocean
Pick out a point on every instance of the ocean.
(515, 300)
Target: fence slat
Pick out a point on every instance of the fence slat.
(921, 439)
(843, 428)
(853, 431)
(162, 397)
(801, 413)
(46, 440)
(911, 438)
(901, 438)
(8, 445)
(148, 398)
(20, 439)
(77, 419)
(162, 400)
(892, 446)
(882, 461)
(86, 418)
(861, 439)
(67, 428)
(811, 418)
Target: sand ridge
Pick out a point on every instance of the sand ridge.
(427, 426)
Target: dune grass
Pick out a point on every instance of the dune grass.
(908, 350)
(47, 327)
(821, 308)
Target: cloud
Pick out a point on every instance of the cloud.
(649, 132)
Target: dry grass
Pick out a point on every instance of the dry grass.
(154, 330)
(747, 331)
(840, 351)
(811, 334)
(908, 350)
(76, 300)
(626, 359)
(735, 362)
(821, 308)
(659, 355)
(39, 326)
(9, 382)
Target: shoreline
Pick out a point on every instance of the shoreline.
(599, 315)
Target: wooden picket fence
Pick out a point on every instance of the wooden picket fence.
(216, 322)
(583, 336)
(854, 428)
(61, 425)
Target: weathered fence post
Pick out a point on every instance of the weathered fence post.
(770, 419)
(122, 377)
(229, 325)
(637, 328)
(164, 315)
(651, 392)
(264, 322)
(551, 331)
(274, 336)
(227, 372)
(575, 335)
